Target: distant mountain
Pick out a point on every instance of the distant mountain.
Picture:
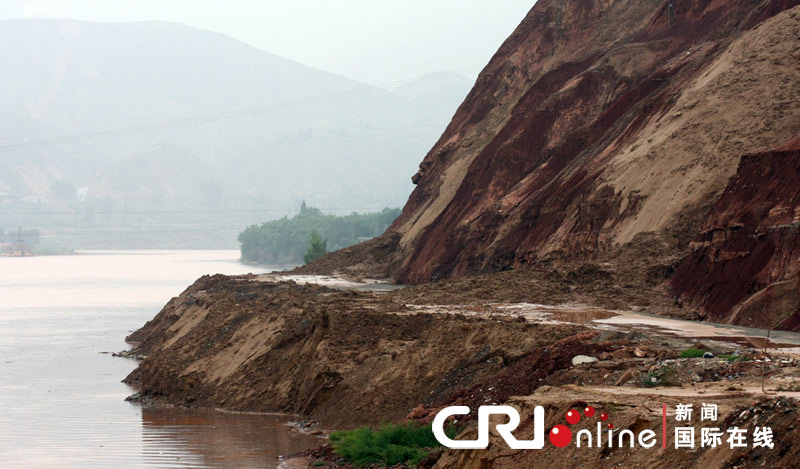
(163, 173)
(300, 133)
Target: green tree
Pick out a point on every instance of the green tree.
(317, 247)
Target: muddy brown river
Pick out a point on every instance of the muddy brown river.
(61, 400)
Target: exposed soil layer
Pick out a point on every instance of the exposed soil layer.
(597, 122)
(743, 268)
(349, 358)
(343, 358)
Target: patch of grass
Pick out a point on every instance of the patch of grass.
(692, 353)
(666, 376)
(730, 357)
(318, 463)
(389, 445)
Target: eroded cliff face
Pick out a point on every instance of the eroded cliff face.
(743, 267)
(598, 121)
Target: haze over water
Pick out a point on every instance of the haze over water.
(61, 400)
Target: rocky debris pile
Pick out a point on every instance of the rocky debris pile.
(781, 415)
(518, 379)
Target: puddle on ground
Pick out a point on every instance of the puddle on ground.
(577, 314)
(333, 282)
(789, 342)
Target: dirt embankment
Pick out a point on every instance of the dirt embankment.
(343, 358)
(348, 358)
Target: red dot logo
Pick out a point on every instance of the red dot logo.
(573, 417)
(610, 425)
(560, 436)
(588, 411)
(604, 416)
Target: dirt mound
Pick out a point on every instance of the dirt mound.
(377, 258)
(519, 379)
(344, 358)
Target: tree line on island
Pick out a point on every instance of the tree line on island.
(310, 234)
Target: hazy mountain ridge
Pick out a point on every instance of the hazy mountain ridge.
(306, 134)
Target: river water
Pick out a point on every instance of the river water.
(61, 400)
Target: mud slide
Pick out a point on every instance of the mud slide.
(345, 358)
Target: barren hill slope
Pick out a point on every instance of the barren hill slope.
(596, 123)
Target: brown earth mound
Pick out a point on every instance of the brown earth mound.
(344, 358)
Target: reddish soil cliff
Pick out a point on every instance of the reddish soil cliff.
(600, 125)
(744, 265)
(597, 121)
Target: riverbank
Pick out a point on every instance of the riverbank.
(347, 357)
(62, 401)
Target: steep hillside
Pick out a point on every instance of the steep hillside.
(595, 122)
(599, 127)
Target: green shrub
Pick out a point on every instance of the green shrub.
(692, 353)
(389, 445)
(733, 357)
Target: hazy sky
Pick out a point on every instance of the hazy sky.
(377, 41)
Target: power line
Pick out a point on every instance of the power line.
(178, 212)
(233, 114)
(94, 233)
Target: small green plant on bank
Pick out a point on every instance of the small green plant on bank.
(389, 445)
(692, 353)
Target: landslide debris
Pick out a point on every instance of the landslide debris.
(638, 413)
(743, 265)
(599, 122)
(345, 358)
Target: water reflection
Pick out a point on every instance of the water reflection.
(181, 437)
(61, 400)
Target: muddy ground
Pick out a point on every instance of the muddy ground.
(346, 358)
